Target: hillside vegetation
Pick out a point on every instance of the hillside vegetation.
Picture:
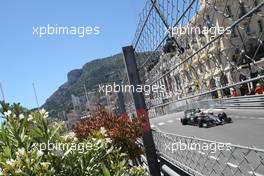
(91, 74)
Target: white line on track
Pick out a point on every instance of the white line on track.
(170, 121)
(246, 117)
(161, 123)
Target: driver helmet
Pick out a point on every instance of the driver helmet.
(201, 114)
(197, 110)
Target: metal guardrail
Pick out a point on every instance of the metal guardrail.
(252, 101)
(256, 101)
(210, 158)
(214, 90)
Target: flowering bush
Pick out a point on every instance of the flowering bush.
(122, 131)
(30, 145)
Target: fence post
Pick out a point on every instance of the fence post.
(121, 102)
(139, 100)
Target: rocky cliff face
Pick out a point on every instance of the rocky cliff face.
(91, 74)
(74, 76)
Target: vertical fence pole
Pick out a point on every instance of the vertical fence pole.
(139, 100)
(121, 102)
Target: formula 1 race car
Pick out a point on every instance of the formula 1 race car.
(204, 118)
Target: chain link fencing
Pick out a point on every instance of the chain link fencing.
(203, 70)
(211, 65)
(204, 157)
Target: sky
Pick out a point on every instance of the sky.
(27, 58)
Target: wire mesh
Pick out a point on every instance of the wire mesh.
(202, 70)
(193, 63)
(204, 157)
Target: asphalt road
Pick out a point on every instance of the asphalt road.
(247, 128)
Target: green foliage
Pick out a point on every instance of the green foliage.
(25, 148)
(122, 131)
(138, 171)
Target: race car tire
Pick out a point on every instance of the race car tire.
(222, 116)
(200, 123)
(184, 121)
(229, 120)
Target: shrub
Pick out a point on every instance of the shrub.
(24, 134)
(122, 131)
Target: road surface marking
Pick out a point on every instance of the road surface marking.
(170, 121)
(178, 118)
(161, 123)
(255, 173)
(241, 117)
(213, 157)
(156, 128)
(245, 117)
(232, 165)
(261, 118)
